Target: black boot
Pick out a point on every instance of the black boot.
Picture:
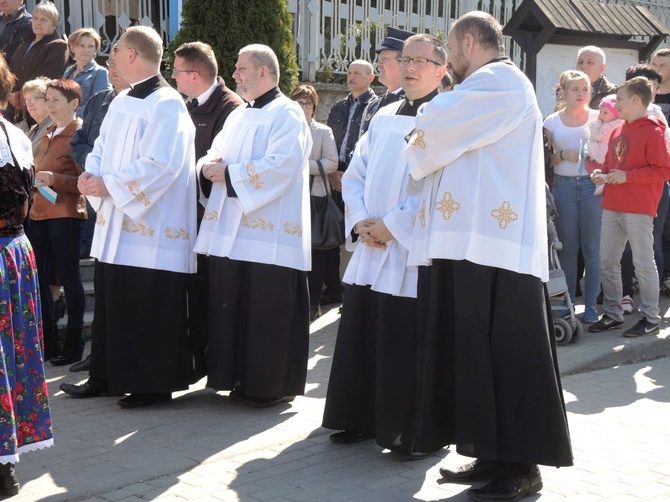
(51, 347)
(73, 349)
(9, 485)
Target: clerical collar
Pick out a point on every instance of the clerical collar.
(146, 87)
(202, 98)
(499, 59)
(409, 108)
(266, 98)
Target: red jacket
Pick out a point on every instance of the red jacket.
(640, 149)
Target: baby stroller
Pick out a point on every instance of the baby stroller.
(567, 328)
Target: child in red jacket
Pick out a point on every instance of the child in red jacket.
(635, 169)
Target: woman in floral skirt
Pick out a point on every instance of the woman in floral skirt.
(25, 419)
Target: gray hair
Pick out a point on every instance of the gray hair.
(594, 50)
(262, 55)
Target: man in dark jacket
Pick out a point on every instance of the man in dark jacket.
(389, 73)
(15, 26)
(209, 104)
(345, 120)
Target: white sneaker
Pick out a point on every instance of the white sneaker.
(627, 304)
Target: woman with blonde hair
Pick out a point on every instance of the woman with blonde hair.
(44, 54)
(579, 211)
(34, 94)
(91, 77)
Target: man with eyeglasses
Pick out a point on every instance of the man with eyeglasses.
(209, 103)
(140, 178)
(489, 379)
(389, 74)
(372, 388)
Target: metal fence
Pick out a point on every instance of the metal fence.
(111, 17)
(331, 33)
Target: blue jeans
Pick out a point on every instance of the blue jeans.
(627, 260)
(56, 244)
(578, 225)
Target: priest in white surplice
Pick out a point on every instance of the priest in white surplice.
(256, 229)
(373, 380)
(140, 179)
(490, 382)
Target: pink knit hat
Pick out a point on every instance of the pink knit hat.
(608, 102)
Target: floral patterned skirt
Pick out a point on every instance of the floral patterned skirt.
(25, 419)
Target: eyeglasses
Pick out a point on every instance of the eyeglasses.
(305, 104)
(418, 62)
(175, 71)
(117, 48)
(32, 101)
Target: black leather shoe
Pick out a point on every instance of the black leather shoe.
(84, 390)
(9, 484)
(351, 437)
(479, 470)
(415, 455)
(84, 365)
(509, 487)
(138, 400)
(237, 395)
(267, 402)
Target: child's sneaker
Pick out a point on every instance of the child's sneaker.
(590, 315)
(627, 304)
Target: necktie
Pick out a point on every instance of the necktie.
(191, 103)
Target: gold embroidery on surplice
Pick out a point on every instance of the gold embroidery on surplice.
(136, 228)
(140, 196)
(293, 229)
(259, 223)
(422, 214)
(210, 215)
(504, 214)
(253, 177)
(176, 233)
(447, 206)
(419, 139)
(100, 220)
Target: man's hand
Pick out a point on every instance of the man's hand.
(214, 171)
(616, 177)
(371, 233)
(336, 180)
(90, 184)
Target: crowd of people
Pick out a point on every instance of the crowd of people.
(197, 212)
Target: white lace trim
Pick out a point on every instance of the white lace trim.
(5, 153)
(13, 459)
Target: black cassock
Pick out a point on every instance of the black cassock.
(489, 375)
(258, 336)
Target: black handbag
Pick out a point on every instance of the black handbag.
(327, 218)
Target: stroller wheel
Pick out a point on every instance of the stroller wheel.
(577, 332)
(563, 331)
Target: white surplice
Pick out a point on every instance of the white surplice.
(149, 218)
(266, 152)
(375, 186)
(481, 202)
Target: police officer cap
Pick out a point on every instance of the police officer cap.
(394, 40)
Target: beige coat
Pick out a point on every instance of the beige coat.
(325, 150)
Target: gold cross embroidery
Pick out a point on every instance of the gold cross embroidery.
(140, 196)
(447, 205)
(253, 177)
(504, 214)
(419, 139)
(422, 214)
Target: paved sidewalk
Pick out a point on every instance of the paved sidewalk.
(203, 446)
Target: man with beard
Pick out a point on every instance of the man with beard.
(373, 380)
(256, 232)
(389, 74)
(489, 381)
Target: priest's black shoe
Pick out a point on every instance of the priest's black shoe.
(509, 487)
(479, 470)
(138, 400)
(415, 455)
(84, 390)
(84, 365)
(351, 437)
